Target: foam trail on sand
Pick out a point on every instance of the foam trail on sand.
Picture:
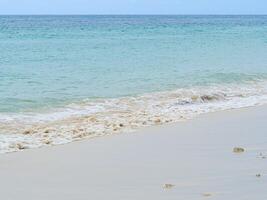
(93, 118)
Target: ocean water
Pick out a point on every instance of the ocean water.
(64, 78)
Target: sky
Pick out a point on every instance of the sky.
(133, 7)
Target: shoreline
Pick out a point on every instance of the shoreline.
(126, 114)
(191, 160)
(144, 128)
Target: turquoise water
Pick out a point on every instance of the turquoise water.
(65, 78)
(50, 61)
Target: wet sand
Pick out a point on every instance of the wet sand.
(188, 160)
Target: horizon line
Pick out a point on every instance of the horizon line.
(132, 14)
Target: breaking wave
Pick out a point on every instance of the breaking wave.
(93, 118)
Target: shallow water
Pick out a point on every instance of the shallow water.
(105, 74)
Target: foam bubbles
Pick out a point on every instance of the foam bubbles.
(111, 116)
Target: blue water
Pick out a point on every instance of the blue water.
(52, 61)
(65, 78)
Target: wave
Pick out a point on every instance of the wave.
(93, 118)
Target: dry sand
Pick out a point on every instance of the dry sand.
(190, 160)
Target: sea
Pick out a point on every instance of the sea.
(67, 78)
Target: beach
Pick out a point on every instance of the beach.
(133, 107)
(192, 159)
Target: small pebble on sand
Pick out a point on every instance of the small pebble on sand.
(47, 142)
(27, 132)
(157, 121)
(262, 156)
(238, 150)
(206, 194)
(168, 186)
(20, 146)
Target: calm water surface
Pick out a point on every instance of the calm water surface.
(50, 61)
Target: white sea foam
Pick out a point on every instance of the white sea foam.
(109, 116)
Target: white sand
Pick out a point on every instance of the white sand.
(196, 156)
